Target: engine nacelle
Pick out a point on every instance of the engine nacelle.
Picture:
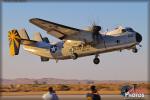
(96, 28)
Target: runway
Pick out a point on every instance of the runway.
(70, 97)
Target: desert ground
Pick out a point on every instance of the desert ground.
(69, 97)
(108, 91)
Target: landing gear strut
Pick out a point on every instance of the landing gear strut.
(134, 50)
(96, 60)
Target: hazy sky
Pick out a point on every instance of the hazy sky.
(114, 66)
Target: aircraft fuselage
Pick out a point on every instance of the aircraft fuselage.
(101, 44)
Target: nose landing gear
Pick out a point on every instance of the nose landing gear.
(96, 60)
(134, 50)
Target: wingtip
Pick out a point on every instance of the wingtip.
(32, 19)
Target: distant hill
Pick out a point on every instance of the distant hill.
(57, 81)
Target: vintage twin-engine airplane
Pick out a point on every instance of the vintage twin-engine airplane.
(74, 42)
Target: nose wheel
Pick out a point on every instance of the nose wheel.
(96, 60)
(134, 50)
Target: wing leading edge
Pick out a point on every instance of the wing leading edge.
(57, 30)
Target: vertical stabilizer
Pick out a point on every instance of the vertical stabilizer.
(38, 37)
(23, 34)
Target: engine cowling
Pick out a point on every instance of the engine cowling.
(96, 33)
(96, 28)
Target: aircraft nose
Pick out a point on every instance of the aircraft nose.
(138, 37)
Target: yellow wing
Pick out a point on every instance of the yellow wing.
(57, 30)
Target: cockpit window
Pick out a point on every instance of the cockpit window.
(129, 29)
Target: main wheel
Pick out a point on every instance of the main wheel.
(96, 60)
(135, 50)
(74, 56)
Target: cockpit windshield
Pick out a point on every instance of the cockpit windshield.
(128, 29)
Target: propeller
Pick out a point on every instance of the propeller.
(95, 30)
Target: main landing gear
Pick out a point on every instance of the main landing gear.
(96, 60)
(74, 56)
